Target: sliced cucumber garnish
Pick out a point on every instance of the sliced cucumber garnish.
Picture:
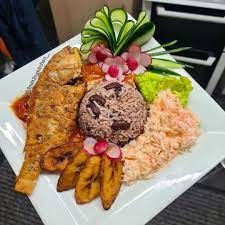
(125, 30)
(86, 47)
(162, 71)
(138, 36)
(90, 38)
(115, 28)
(89, 32)
(118, 17)
(168, 64)
(170, 51)
(106, 10)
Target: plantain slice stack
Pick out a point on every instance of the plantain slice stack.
(56, 159)
(88, 184)
(111, 180)
(70, 174)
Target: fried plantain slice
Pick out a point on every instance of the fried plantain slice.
(111, 179)
(56, 159)
(88, 184)
(70, 174)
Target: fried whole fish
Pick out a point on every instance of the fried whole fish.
(52, 112)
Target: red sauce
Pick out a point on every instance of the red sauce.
(92, 72)
(130, 79)
(20, 107)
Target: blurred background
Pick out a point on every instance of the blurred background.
(29, 28)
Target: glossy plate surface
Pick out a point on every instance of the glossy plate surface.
(136, 204)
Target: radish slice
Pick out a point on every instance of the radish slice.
(92, 58)
(109, 61)
(134, 49)
(125, 69)
(95, 49)
(140, 69)
(89, 144)
(121, 78)
(101, 55)
(113, 71)
(113, 151)
(105, 68)
(118, 60)
(109, 78)
(145, 60)
(132, 63)
(101, 146)
(108, 54)
(125, 56)
(100, 64)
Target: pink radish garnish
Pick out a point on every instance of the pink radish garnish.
(92, 59)
(100, 56)
(134, 49)
(140, 69)
(89, 144)
(132, 63)
(101, 146)
(105, 67)
(113, 151)
(145, 60)
(113, 71)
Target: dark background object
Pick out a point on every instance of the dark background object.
(21, 31)
(205, 38)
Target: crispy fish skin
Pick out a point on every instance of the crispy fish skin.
(52, 112)
(69, 176)
(88, 184)
(111, 180)
(57, 158)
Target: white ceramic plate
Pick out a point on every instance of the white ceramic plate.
(136, 204)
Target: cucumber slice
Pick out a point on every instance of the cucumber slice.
(143, 34)
(117, 27)
(140, 33)
(90, 32)
(84, 55)
(125, 30)
(142, 19)
(171, 43)
(106, 10)
(99, 25)
(102, 16)
(138, 36)
(118, 17)
(169, 64)
(170, 51)
(90, 38)
(87, 46)
(96, 29)
(108, 24)
(163, 71)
